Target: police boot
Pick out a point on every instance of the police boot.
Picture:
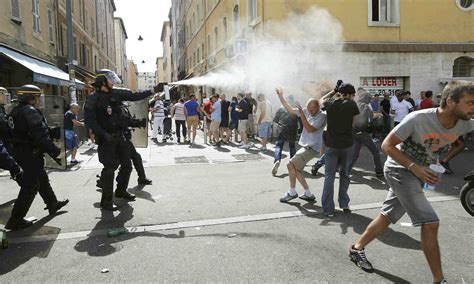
(98, 182)
(125, 195)
(144, 181)
(17, 224)
(108, 205)
(56, 206)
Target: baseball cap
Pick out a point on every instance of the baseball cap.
(346, 89)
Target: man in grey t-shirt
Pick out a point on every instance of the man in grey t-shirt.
(411, 147)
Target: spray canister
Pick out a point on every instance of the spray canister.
(116, 232)
(3, 239)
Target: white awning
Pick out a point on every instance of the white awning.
(43, 72)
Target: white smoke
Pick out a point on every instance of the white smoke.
(298, 54)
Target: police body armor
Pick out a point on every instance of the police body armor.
(30, 132)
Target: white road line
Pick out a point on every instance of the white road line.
(200, 223)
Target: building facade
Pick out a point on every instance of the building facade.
(28, 46)
(386, 45)
(121, 51)
(146, 81)
(132, 75)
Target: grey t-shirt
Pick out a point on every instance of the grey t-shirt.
(424, 138)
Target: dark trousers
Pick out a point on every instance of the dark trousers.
(35, 179)
(363, 138)
(179, 124)
(136, 160)
(112, 155)
(386, 125)
(279, 148)
(335, 158)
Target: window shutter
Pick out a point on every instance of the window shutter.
(15, 5)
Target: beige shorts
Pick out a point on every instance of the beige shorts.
(192, 121)
(215, 125)
(243, 123)
(302, 157)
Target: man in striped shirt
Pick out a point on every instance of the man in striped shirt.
(180, 119)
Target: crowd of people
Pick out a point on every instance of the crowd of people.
(333, 129)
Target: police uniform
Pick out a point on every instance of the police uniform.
(30, 142)
(104, 115)
(8, 163)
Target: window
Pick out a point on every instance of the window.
(82, 54)
(194, 23)
(252, 10)
(63, 40)
(465, 5)
(36, 16)
(75, 48)
(216, 38)
(202, 48)
(198, 56)
(236, 19)
(50, 26)
(15, 9)
(224, 22)
(93, 27)
(384, 12)
(208, 44)
(81, 11)
(463, 67)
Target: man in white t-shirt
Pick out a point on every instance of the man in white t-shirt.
(400, 108)
(158, 111)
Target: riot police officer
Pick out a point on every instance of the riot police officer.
(104, 116)
(4, 128)
(30, 142)
(9, 164)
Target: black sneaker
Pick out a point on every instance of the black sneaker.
(125, 195)
(446, 166)
(53, 209)
(379, 175)
(144, 181)
(288, 197)
(14, 224)
(359, 258)
(315, 169)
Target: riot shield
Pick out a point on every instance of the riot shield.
(53, 111)
(139, 110)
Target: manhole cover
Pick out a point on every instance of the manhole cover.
(248, 157)
(191, 160)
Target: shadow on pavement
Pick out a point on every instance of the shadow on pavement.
(359, 223)
(140, 193)
(98, 245)
(391, 277)
(359, 177)
(17, 254)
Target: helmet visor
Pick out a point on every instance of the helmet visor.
(114, 79)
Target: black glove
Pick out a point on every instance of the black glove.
(338, 84)
(55, 152)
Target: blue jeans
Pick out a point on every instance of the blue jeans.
(333, 158)
(279, 149)
(365, 139)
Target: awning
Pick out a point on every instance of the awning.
(43, 72)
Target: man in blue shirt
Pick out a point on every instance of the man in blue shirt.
(191, 111)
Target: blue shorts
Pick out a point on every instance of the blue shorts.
(264, 129)
(71, 139)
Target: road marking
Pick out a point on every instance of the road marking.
(200, 223)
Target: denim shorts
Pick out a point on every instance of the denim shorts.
(406, 195)
(264, 129)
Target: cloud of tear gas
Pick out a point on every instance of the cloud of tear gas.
(299, 53)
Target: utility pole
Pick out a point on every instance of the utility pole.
(70, 54)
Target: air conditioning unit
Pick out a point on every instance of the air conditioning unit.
(211, 60)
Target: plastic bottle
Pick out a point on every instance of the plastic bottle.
(3, 239)
(116, 232)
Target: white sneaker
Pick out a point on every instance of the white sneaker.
(93, 146)
(276, 165)
(244, 146)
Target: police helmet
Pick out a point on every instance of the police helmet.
(103, 75)
(28, 92)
